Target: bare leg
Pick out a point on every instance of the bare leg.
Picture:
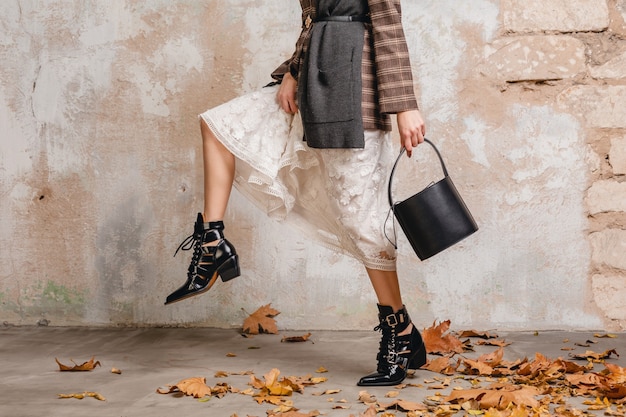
(213, 256)
(387, 289)
(219, 172)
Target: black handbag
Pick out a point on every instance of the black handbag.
(435, 218)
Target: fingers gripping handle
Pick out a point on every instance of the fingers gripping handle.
(443, 167)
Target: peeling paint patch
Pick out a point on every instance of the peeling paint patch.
(55, 293)
(433, 31)
(555, 149)
(474, 136)
(14, 151)
(52, 299)
(152, 94)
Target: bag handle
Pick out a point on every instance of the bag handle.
(443, 167)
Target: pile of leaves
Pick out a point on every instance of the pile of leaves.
(497, 388)
(488, 385)
(522, 387)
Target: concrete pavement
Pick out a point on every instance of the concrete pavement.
(150, 358)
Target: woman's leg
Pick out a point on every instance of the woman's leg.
(219, 172)
(386, 287)
(213, 256)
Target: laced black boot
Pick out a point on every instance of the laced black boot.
(209, 259)
(397, 354)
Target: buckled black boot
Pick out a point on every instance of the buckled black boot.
(397, 354)
(209, 260)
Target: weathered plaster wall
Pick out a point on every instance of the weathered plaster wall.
(100, 164)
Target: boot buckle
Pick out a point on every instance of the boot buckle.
(391, 320)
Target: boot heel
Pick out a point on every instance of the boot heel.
(419, 359)
(229, 269)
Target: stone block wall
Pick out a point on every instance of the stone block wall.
(575, 52)
(101, 165)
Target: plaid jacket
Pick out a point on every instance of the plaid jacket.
(386, 68)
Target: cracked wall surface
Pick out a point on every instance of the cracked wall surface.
(101, 169)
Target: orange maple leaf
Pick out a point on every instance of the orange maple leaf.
(596, 357)
(85, 366)
(272, 390)
(442, 365)
(261, 321)
(438, 340)
(616, 373)
(499, 398)
(195, 387)
(477, 367)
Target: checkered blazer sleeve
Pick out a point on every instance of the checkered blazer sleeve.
(391, 54)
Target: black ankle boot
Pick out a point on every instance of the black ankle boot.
(397, 354)
(208, 261)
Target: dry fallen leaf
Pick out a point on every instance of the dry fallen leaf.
(518, 411)
(366, 398)
(81, 395)
(224, 374)
(305, 381)
(595, 357)
(493, 342)
(616, 373)
(402, 405)
(296, 339)
(318, 380)
(271, 389)
(294, 413)
(327, 392)
(499, 398)
(474, 333)
(370, 412)
(85, 366)
(195, 387)
(443, 365)
(284, 407)
(438, 340)
(261, 321)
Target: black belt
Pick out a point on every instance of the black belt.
(356, 18)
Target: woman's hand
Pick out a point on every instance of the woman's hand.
(286, 96)
(412, 129)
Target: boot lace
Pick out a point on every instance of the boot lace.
(387, 349)
(193, 241)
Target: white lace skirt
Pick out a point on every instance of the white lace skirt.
(337, 197)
